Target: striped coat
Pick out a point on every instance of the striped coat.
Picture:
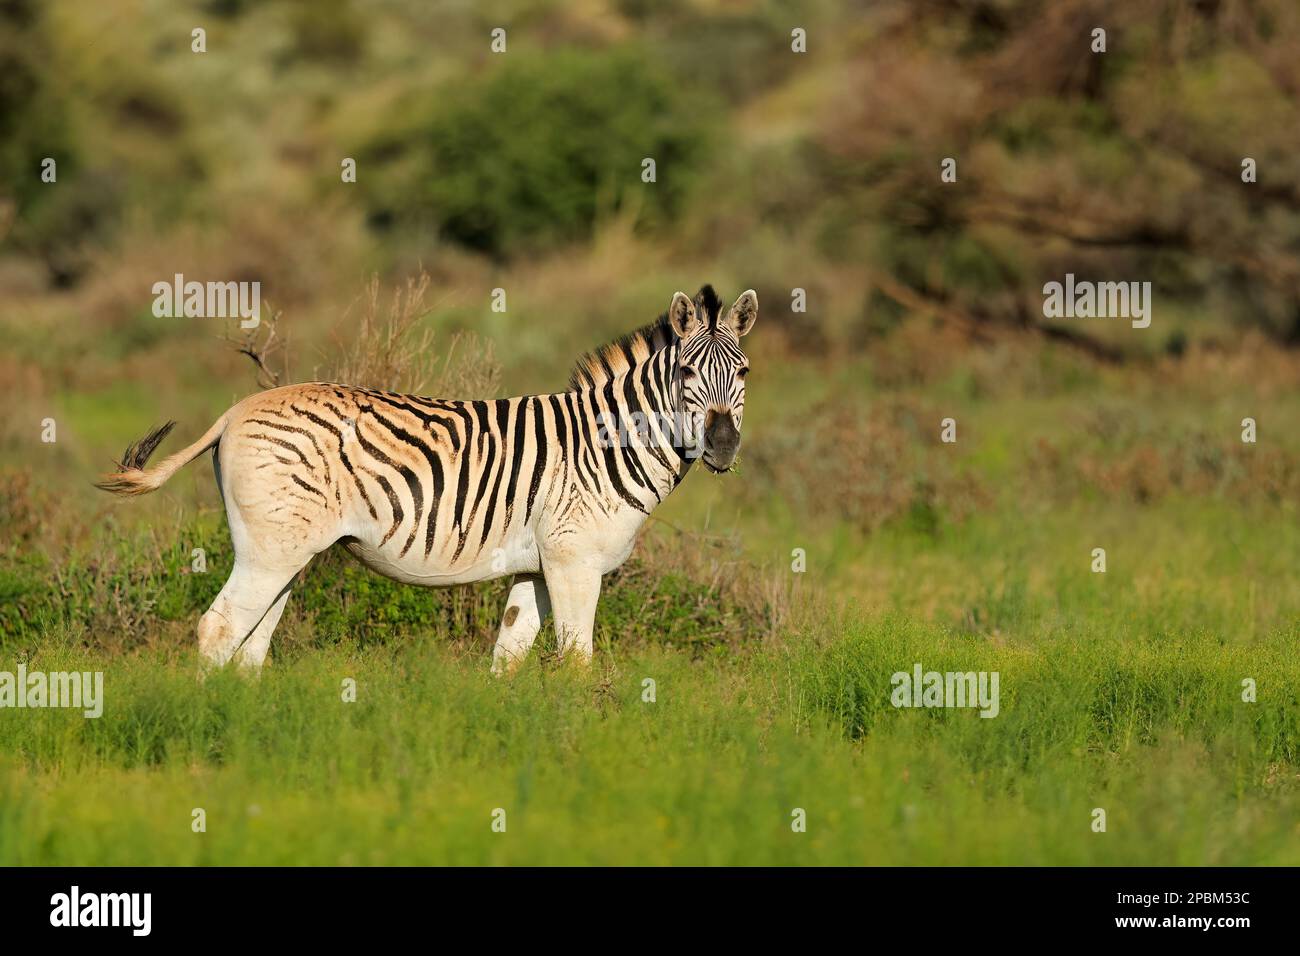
(549, 488)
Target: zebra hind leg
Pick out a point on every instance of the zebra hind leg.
(526, 608)
(253, 651)
(251, 597)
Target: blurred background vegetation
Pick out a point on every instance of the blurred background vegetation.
(776, 170)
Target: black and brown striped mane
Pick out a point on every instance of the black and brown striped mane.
(613, 359)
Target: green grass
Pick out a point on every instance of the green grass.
(709, 773)
(1120, 691)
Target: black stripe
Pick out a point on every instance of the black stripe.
(428, 419)
(412, 482)
(283, 443)
(517, 459)
(587, 441)
(394, 502)
(435, 470)
(562, 440)
(539, 462)
(315, 491)
(310, 437)
(654, 411)
(634, 470)
(615, 480)
(574, 446)
(503, 424)
(485, 437)
(633, 403)
(462, 489)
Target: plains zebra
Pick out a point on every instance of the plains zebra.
(551, 488)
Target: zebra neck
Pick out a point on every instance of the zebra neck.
(639, 418)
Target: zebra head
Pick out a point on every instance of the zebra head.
(711, 369)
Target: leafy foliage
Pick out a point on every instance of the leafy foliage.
(536, 152)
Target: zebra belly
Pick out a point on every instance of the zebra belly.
(518, 555)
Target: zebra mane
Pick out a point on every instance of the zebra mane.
(628, 351)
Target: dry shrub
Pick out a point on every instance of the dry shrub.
(21, 508)
(918, 97)
(26, 390)
(757, 600)
(1195, 464)
(705, 585)
(1242, 360)
(386, 346)
(296, 257)
(918, 352)
(870, 466)
(390, 350)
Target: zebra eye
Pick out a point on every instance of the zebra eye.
(742, 371)
(688, 372)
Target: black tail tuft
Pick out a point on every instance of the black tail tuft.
(136, 455)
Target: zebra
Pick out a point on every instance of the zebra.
(551, 489)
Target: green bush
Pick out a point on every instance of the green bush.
(34, 125)
(532, 152)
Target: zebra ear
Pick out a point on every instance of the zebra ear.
(682, 315)
(742, 315)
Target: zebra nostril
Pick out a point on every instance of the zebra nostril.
(709, 418)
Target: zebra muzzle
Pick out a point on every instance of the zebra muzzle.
(721, 440)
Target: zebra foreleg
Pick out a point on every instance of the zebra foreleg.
(574, 591)
(526, 608)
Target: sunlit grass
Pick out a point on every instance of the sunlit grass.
(588, 771)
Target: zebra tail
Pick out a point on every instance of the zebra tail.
(132, 478)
